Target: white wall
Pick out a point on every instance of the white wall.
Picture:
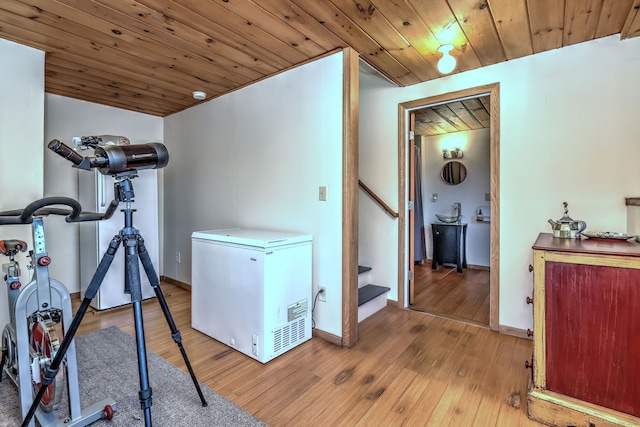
(64, 119)
(21, 124)
(255, 158)
(569, 132)
(378, 170)
(475, 145)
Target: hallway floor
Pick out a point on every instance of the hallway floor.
(460, 296)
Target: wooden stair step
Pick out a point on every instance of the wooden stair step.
(369, 292)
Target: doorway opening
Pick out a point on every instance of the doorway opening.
(408, 276)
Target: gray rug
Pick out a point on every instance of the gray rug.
(108, 367)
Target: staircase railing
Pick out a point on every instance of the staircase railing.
(378, 200)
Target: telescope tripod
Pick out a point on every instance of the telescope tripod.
(135, 250)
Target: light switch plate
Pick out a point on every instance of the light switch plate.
(322, 193)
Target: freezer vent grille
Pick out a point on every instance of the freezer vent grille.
(301, 329)
(286, 339)
(288, 335)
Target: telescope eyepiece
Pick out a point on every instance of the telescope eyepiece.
(65, 152)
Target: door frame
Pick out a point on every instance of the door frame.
(493, 90)
(350, 137)
(412, 197)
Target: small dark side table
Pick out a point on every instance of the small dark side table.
(449, 245)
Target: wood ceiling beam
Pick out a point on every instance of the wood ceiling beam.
(546, 18)
(406, 21)
(580, 20)
(277, 28)
(61, 42)
(465, 115)
(475, 107)
(477, 23)
(245, 30)
(372, 22)
(512, 24)
(115, 36)
(334, 20)
(182, 40)
(631, 27)
(450, 117)
(61, 77)
(300, 20)
(201, 31)
(442, 23)
(73, 92)
(613, 16)
(116, 81)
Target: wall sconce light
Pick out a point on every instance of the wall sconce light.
(453, 154)
(447, 63)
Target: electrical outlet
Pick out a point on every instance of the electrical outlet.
(178, 257)
(322, 296)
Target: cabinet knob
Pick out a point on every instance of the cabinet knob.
(528, 364)
(529, 300)
(529, 333)
(530, 268)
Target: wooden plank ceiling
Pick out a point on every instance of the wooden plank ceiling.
(455, 116)
(149, 55)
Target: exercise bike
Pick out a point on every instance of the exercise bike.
(40, 315)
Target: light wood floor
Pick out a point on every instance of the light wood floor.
(444, 292)
(407, 369)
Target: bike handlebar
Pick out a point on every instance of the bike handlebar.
(37, 208)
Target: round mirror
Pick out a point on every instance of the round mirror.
(453, 173)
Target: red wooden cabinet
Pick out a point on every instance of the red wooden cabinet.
(587, 332)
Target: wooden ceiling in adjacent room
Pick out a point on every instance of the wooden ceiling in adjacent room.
(454, 116)
(149, 55)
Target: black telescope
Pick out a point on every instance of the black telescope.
(114, 159)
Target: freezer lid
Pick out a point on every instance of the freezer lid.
(252, 237)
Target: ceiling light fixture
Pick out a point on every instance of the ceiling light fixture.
(199, 95)
(447, 63)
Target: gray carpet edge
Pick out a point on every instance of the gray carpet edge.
(108, 367)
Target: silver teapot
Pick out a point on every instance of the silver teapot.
(567, 228)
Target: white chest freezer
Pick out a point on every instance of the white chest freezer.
(251, 289)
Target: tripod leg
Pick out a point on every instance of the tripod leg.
(92, 290)
(175, 333)
(4, 360)
(132, 277)
(145, 390)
